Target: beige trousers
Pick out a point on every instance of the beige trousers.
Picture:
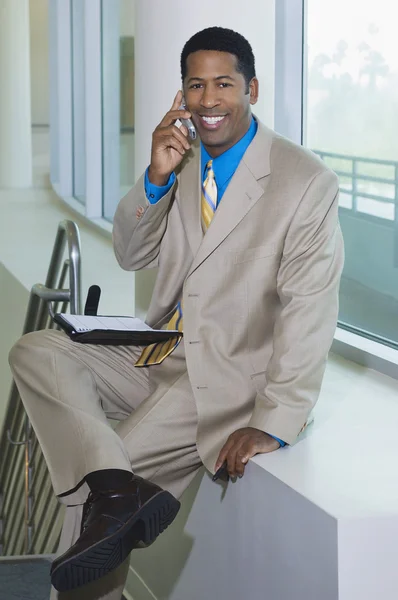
(69, 391)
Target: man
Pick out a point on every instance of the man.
(244, 231)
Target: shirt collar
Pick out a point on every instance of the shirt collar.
(225, 165)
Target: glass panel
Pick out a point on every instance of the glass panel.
(368, 206)
(118, 101)
(54, 101)
(39, 66)
(350, 115)
(78, 101)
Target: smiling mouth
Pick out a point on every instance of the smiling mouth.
(212, 122)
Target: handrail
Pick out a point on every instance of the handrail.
(67, 232)
(364, 159)
(16, 421)
(384, 209)
(355, 192)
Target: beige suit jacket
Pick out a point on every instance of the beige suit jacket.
(259, 290)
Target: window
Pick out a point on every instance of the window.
(351, 96)
(92, 102)
(78, 102)
(117, 101)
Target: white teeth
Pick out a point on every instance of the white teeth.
(212, 120)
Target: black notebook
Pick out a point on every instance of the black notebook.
(116, 331)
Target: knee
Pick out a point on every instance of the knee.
(27, 345)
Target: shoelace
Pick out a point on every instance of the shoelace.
(91, 499)
(94, 497)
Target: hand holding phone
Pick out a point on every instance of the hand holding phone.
(187, 122)
(169, 143)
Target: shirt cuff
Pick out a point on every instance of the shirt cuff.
(155, 192)
(282, 443)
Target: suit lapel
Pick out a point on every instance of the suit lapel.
(190, 190)
(241, 194)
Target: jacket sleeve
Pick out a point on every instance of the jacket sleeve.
(308, 286)
(136, 240)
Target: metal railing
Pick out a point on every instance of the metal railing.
(358, 180)
(30, 515)
(368, 202)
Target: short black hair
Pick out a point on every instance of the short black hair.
(220, 39)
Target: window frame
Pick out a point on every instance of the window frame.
(61, 97)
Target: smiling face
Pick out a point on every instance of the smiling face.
(218, 98)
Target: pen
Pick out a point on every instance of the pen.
(221, 473)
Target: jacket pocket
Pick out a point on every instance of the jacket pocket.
(254, 253)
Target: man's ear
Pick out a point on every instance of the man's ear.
(253, 90)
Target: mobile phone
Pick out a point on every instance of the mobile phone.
(187, 122)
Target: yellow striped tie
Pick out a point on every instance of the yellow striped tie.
(154, 354)
(209, 197)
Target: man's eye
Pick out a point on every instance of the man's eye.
(195, 86)
(224, 85)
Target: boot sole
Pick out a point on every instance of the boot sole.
(105, 556)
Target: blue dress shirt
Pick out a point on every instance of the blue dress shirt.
(224, 166)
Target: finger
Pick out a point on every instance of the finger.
(246, 456)
(231, 462)
(181, 136)
(166, 142)
(177, 100)
(173, 142)
(231, 459)
(175, 132)
(245, 452)
(239, 465)
(223, 454)
(173, 115)
(181, 127)
(164, 135)
(271, 445)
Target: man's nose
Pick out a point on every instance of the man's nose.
(209, 98)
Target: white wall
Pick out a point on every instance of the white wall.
(13, 301)
(256, 540)
(39, 62)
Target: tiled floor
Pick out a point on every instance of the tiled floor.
(25, 579)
